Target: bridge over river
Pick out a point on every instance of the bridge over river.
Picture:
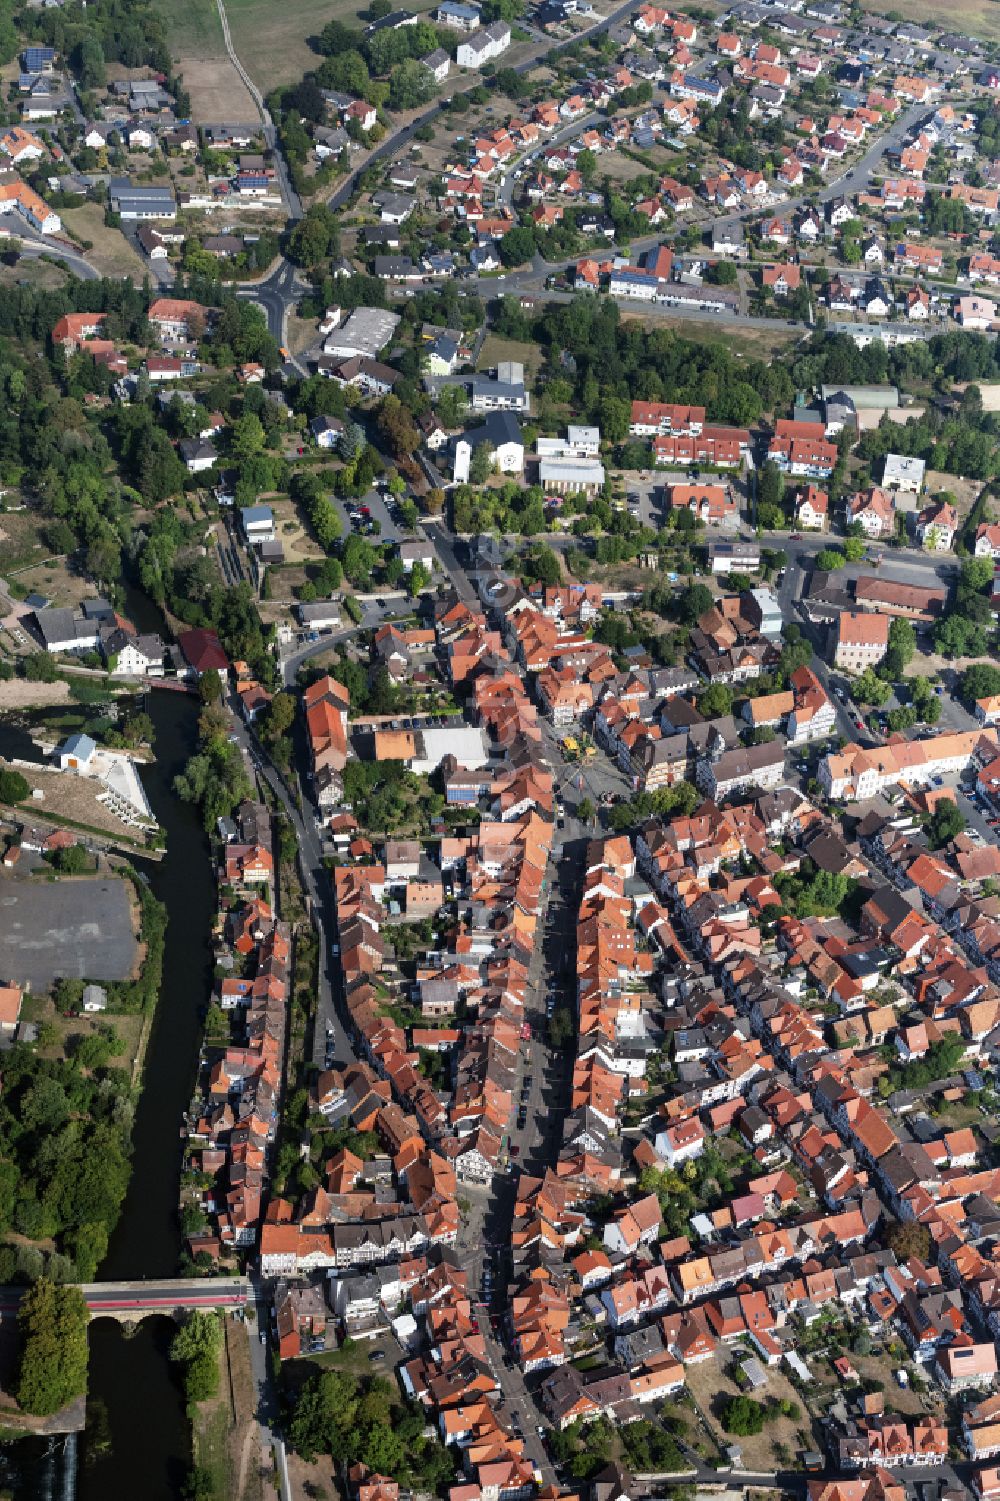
(131, 1302)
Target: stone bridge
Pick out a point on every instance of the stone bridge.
(131, 1302)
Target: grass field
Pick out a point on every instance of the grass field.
(44, 275)
(750, 343)
(496, 349)
(193, 27)
(218, 93)
(272, 39)
(112, 255)
(979, 18)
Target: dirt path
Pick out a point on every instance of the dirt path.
(245, 1458)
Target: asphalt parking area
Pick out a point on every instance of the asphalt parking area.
(73, 929)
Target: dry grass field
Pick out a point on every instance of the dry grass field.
(44, 276)
(218, 93)
(111, 255)
(496, 349)
(979, 18)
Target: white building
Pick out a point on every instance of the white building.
(257, 523)
(571, 476)
(483, 45)
(458, 17)
(579, 443)
(902, 473)
(502, 437)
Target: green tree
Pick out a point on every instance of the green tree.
(902, 649)
(196, 1347)
(88, 1245)
(743, 1416)
(716, 700)
(279, 716)
(517, 246)
(771, 487)
(829, 558)
(869, 688)
(982, 680)
(248, 436)
(13, 786)
(52, 1366)
(561, 1029)
(419, 578)
(854, 549)
(944, 823)
(696, 599)
(72, 861)
(957, 636)
(480, 464)
(39, 667)
(977, 574)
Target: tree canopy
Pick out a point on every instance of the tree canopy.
(52, 1366)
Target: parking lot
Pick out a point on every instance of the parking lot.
(379, 511)
(74, 929)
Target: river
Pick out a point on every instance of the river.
(139, 1443)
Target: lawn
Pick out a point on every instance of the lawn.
(20, 534)
(129, 1029)
(210, 1427)
(111, 255)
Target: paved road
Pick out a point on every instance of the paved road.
(854, 180)
(162, 1296)
(372, 614)
(329, 1029)
(34, 247)
(268, 1408)
(277, 293)
(909, 564)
